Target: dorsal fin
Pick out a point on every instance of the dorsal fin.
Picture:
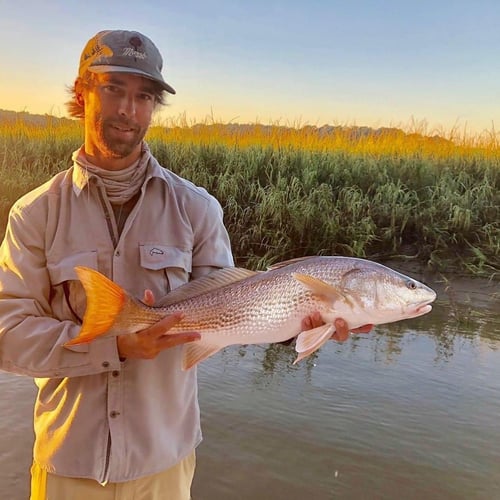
(213, 281)
(278, 265)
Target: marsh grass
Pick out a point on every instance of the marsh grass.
(288, 192)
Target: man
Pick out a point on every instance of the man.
(117, 418)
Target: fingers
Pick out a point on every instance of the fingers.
(312, 321)
(163, 326)
(148, 343)
(341, 330)
(149, 298)
(159, 332)
(168, 341)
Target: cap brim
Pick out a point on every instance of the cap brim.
(124, 69)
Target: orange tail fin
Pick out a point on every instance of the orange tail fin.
(105, 300)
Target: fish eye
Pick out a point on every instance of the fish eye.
(411, 285)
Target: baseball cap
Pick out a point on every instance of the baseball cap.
(125, 52)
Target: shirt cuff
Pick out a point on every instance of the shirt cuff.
(104, 354)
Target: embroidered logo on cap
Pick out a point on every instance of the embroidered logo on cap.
(136, 42)
(97, 52)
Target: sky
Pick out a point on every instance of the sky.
(432, 65)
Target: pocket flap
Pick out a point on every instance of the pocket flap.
(64, 269)
(157, 257)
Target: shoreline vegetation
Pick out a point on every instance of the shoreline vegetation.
(382, 194)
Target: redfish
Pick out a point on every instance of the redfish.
(239, 306)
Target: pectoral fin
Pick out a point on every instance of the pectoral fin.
(311, 340)
(323, 290)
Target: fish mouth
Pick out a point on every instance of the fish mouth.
(422, 308)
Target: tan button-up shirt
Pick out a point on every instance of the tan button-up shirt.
(96, 417)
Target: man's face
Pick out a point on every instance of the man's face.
(118, 111)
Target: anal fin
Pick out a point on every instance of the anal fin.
(195, 352)
(309, 341)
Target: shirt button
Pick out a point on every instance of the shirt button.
(105, 364)
(117, 253)
(114, 414)
(115, 373)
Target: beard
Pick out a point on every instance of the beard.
(119, 138)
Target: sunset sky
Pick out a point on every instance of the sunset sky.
(362, 62)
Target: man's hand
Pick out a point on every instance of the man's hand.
(342, 331)
(148, 343)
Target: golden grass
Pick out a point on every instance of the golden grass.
(412, 139)
(289, 191)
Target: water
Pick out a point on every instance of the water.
(410, 411)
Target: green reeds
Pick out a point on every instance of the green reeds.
(283, 200)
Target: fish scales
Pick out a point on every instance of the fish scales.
(254, 306)
(263, 307)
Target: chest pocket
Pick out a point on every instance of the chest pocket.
(68, 299)
(166, 267)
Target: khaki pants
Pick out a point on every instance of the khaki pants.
(172, 484)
